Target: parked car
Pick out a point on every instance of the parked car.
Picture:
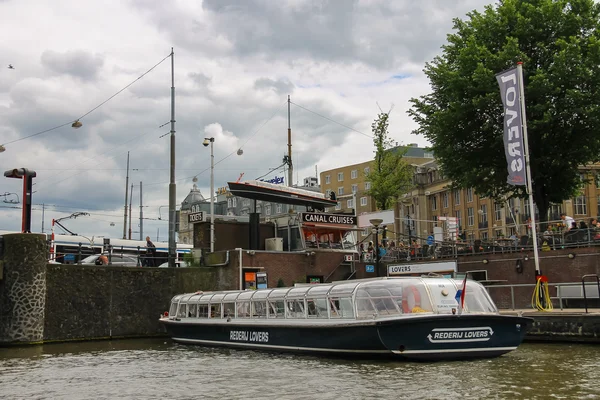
(180, 264)
(120, 260)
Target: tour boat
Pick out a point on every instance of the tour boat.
(405, 317)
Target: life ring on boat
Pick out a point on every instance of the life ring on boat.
(166, 314)
(411, 299)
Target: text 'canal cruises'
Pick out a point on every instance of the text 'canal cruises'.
(405, 317)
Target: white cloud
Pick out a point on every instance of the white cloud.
(235, 64)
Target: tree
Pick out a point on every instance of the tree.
(558, 42)
(390, 175)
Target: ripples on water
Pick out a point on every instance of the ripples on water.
(150, 369)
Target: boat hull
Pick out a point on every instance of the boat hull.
(432, 337)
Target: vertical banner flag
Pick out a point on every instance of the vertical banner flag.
(513, 126)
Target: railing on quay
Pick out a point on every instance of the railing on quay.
(559, 294)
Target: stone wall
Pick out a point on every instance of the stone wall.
(23, 289)
(88, 302)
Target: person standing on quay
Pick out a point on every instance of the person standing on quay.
(150, 253)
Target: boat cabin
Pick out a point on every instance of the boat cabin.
(358, 299)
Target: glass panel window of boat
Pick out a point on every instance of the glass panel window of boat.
(341, 307)
(182, 310)
(295, 308)
(203, 310)
(231, 297)
(343, 289)
(261, 294)
(316, 308)
(318, 290)
(215, 310)
(228, 310)
(243, 309)
(477, 299)
(173, 309)
(297, 292)
(259, 308)
(247, 295)
(415, 298)
(192, 310)
(278, 293)
(276, 308)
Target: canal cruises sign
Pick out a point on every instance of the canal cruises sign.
(195, 214)
(323, 218)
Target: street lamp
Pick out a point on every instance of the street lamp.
(376, 222)
(205, 143)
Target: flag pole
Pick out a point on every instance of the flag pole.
(528, 171)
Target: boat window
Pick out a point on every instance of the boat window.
(202, 310)
(317, 290)
(415, 298)
(194, 299)
(231, 297)
(295, 308)
(341, 307)
(215, 310)
(259, 309)
(182, 310)
(316, 308)
(278, 293)
(477, 299)
(191, 309)
(217, 297)
(205, 299)
(343, 289)
(243, 309)
(173, 309)
(276, 309)
(261, 294)
(246, 295)
(228, 310)
(297, 292)
(365, 308)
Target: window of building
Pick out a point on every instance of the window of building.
(340, 176)
(458, 216)
(229, 202)
(327, 179)
(340, 191)
(445, 199)
(354, 174)
(483, 213)
(497, 212)
(484, 235)
(349, 204)
(580, 205)
(278, 208)
(363, 201)
(456, 197)
(246, 202)
(469, 195)
(354, 188)
(338, 205)
(367, 185)
(258, 208)
(268, 209)
(427, 155)
(433, 202)
(365, 232)
(367, 170)
(470, 216)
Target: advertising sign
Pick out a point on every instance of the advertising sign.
(424, 268)
(324, 218)
(196, 217)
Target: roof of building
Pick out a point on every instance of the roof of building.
(193, 197)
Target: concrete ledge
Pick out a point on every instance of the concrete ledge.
(574, 325)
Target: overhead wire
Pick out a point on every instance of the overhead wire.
(93, 109)
(332, 120)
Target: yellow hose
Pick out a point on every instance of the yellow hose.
(545, 293)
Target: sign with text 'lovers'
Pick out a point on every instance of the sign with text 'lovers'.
(424, 268)
(324, 218)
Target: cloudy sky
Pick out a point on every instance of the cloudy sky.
(236, 61)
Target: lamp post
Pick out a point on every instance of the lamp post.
(206, 142)
(376, 222)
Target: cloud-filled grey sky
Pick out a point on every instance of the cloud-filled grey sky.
(236, 61)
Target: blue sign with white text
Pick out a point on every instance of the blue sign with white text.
(370, 268)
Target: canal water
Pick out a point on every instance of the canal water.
(160, 369)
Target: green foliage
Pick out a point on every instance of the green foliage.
(191, 260)
(280, 283)
(558, 42)
(390, 175)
